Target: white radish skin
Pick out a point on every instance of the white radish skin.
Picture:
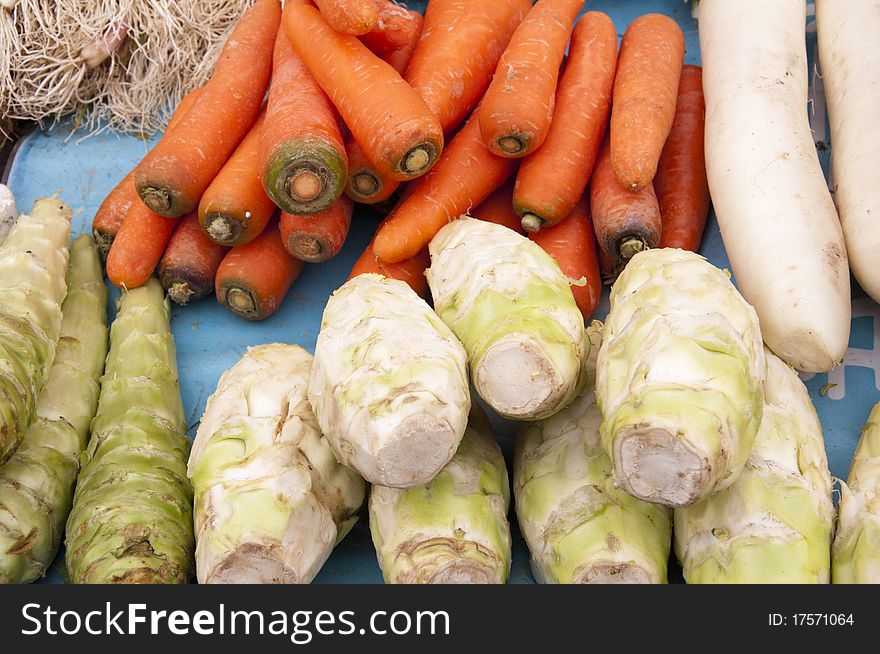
(777, 218)
(849, 51)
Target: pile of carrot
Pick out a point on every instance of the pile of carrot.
(522, 114)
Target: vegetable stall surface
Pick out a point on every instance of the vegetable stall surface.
(679, 378)
(579, 526)
(855, 557)
(848, 37)
(773, 525)
(33, 259)
(510, 305)
(394, 408)
(271, 501)
(36, 484)
(452, 530)
(779, 224)
(132, 512)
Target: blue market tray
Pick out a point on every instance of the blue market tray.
(210, 339)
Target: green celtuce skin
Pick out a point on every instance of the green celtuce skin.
(271, 501)
(453, 529)
(512, 308)
(36, 484)
(680, 378)
(389, 384)
(581, 528)
(773, 525)
(132, 512)
(855, 556)
(33, 259)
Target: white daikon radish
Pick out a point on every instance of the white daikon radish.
(849, 51)
(777, 218)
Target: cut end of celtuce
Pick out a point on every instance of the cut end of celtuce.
(856, 551)
(389, 385)
(774, 523)
(780, 227)
(452, 530)
(579, 526)
(36, 484)
(512, 308)
(33, 258)
(271, 501)
(680, 378)
(132, 512)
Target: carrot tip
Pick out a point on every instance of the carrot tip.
(419, 158)
(180, 293)
(531, 223)
(221, 229)
(241, 302)
(304, 185)
(365, 184)
(306, 247)
(511, 144)
(158, 200)
(631, 247)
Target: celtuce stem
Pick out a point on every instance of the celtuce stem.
(271, 501)
(8, 211)
(36, 484)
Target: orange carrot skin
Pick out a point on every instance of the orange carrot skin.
(498, 208)
(350, 16)
(645, 91)
(318, 237)
(551, 180)
(396, 28)
(173, 176)
(385, 115)
(301, 136)
(138, 246)
(621, 215)
(235, 207)
(411, 271)
(681, 185)
(572, 243)
(465, 176)
(461, 43)
(365, 184)
(111, 213)
(190, 262)
(516, 113)
(254, 278)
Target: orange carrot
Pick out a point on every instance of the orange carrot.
(173, 176)
(253, 278)
(138, 246)
(498, 208)
(465, 176)
(553, 178)
(396, 28)
(681, 185)
(516, 112)
(573, 244)
(301, 157)
(318, 237)
(643, 103)
(350, 16)
(365, 184)
(411, 271)
(111, 213)
(459, 49)
(235, 207)
(190, 262)
(390, 121)
(626, 222)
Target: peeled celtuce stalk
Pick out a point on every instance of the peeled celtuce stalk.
(8, 212)
(389, 385)
(855, 556)
(36, 484)
(680, 378)
(271, 501)
(132, 512)
(454, 528)
(511, 307)
(774, 523)
(33, 259)
(581, 528)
